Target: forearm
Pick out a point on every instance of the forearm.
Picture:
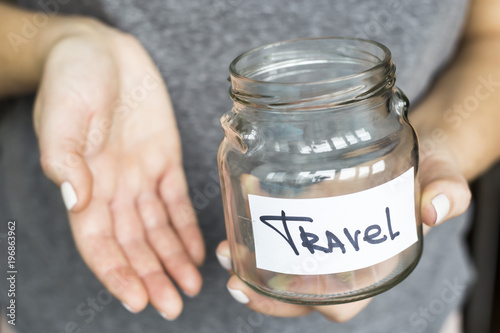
(27, 37)
(462, 111)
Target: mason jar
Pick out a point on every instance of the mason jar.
(319, 172)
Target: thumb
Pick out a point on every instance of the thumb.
(60, 128)
(445, 191)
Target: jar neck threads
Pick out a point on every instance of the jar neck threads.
(311, 74)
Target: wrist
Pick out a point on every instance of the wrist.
(23, 56)
(60, 28)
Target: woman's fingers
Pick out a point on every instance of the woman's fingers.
(243, 294)
(93, 232)
(174, 192)
(130, 233)
(163, 294)
(257, 302)
(223, 254)
(445, 191)
(342, 312)
(167, 245)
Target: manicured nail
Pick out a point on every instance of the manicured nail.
(129, 309)
(164, 316)
(239, 295)
(442, 206)
(224, 261)
(69, 195)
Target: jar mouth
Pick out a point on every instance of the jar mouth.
(326, 72)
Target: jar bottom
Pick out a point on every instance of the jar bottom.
(343, 297)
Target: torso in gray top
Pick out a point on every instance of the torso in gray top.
(193, 42)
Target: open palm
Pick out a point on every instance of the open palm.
(107, 134)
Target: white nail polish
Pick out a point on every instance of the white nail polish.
(224, 261)
(164, 316)
(239, 295)
(442, 206)
(129, 309)
(69, 195)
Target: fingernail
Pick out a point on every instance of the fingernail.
(165, 316)
(442, 206)
(69, 195)
(239, 295)
(224, 261)
(129, 309)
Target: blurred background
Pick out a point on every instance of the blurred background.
(481, 312)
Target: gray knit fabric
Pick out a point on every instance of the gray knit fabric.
(193, 42)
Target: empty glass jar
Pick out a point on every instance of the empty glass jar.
(319, 172)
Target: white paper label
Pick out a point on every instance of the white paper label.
(336, 234)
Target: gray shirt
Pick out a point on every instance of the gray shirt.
(193, 42)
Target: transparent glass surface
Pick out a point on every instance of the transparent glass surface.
(314, 118)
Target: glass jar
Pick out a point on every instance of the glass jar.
(319, 172)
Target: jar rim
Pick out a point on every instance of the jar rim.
(383, 62)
